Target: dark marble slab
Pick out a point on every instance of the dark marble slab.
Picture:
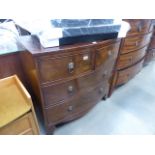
(69, 32)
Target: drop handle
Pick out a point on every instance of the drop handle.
(71, 67)
(70, 89)
(70, 108)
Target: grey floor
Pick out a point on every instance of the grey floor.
(130, 110)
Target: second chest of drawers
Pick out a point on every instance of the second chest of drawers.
(132, 51)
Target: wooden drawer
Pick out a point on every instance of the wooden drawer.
(60, 113)
(126, 60)
(59, 92)
(135, 42)
(127, 74)
(106, 54)
(63, 91)
(23, 125)
(139, 26)
(53, 68)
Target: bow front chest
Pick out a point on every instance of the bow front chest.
(69, 80)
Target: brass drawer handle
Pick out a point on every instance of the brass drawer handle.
(70, 89)
(71, 67)
(70, 108)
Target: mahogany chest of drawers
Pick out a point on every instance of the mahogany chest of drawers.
(132, 51)
(68, 81)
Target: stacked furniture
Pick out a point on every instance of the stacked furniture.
(17, 115)
(132, 51)
(68, 80)
(151, 49)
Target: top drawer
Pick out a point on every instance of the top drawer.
(135, 42)
(139, 26)
(53, 68)
(107, 54)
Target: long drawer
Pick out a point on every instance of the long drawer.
(135, 42)
(63, 91)
(127, 74)
(126, 60)
(60, 113)
(139, 26)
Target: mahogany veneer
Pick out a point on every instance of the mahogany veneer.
(132, 51)
(10, 64)
(69, 80)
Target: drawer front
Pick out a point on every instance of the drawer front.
(64, 91)
(127, 74)
(107, 54)
(126, 60)
(20, 126)
(152, 44)
(61, 67)
(60, 113)
(59, 92)
(139, 26)
(88, 82)
(136, 42)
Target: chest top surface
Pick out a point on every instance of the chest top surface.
(35, 48)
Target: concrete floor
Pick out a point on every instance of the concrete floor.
(130, 110)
